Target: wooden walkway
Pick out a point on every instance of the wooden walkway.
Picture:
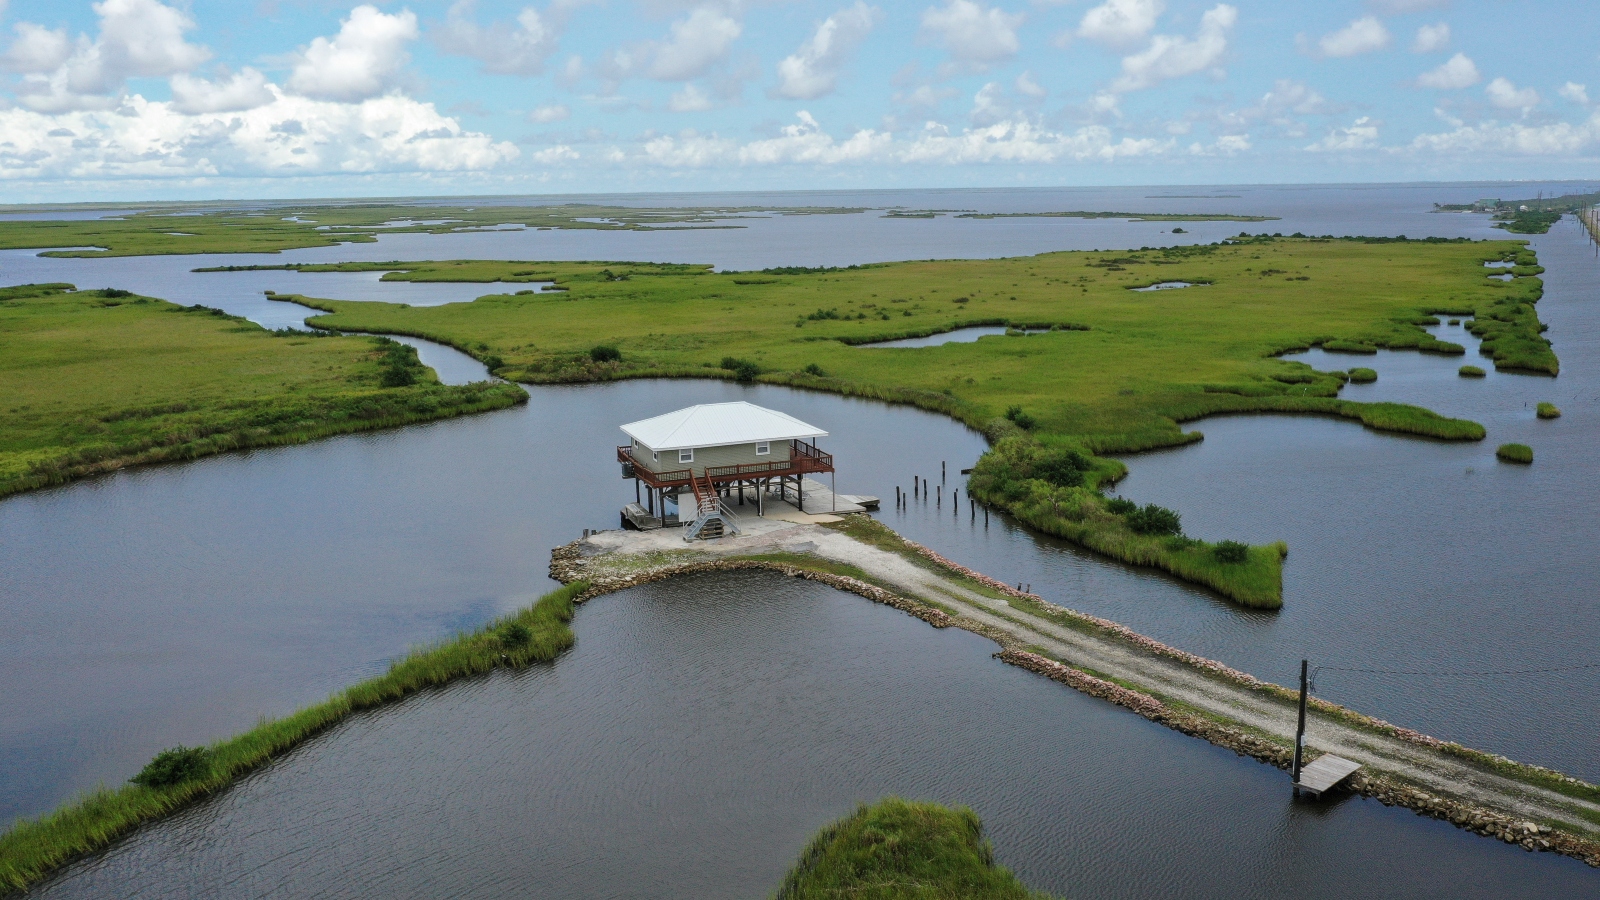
(821, 501)
(1327, 771)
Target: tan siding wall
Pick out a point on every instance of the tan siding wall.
(734, 455)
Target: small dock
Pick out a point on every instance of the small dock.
(1325, 772)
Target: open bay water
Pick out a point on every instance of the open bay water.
(180, 603)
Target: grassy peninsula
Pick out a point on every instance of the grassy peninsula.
(900, 850)
(34, 848)
(202, 228)
(1117, 371)
(93, 381)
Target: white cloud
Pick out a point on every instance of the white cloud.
(504, 48)
(806, 142)
(813, 70)
(554, 112)
(1020, 141)
(1226, 145)
(1364, 35)
(1011, 141)
(1281, 107)
(1362, 134)
(1172, 56)
(553, 155)
(1027, 87)
(290, 135)
(973, 33)
(1496, 140)
(696, 43)
(1457, 72)
(1431, 38)
(246, 89)
(37, 50)
(925, 96)
(689, 99)
(1575, 92)
(989, 105)
(143, 37)
(137, 38)
(1120, 23)
(363, 60)
(1505, 95)
(1291, 96)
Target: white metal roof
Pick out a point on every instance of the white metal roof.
(718, 425)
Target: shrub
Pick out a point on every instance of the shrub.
(492, 362)
(397, 376)
(1363, 376)
(814, 369)
(115, 292)
(1154, 520)
(1062, 469)
(1549, 411)
(172, 766)
(1470, 372)
(515, 635)
(1022, 419)
(1515, 453)
(1120, 505)
(1231, 552)
(604, 353)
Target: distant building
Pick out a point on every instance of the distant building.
(1486, 205)
(709, 450)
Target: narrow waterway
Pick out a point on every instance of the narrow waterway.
(703, 728)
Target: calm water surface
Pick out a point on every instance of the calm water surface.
(179, 604)
(703, 728)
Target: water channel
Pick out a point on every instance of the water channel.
(178, 604)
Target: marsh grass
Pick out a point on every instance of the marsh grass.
(1514, 453)
(89, 388)
(902, 850)
(1005, 478)
(1549, 411)
(33, 848)
(1363, 375)
(1471, 372)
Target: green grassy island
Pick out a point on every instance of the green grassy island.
(96, 380)
(900, 850)
(1549, 411)
(1514, 453)
(1115, 371)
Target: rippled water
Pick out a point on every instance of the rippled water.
(703, 728)
(180, 603)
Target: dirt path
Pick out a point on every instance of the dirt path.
(1461, 788)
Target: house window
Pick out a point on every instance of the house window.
(686, 456)
(763, 449)
(655, 455)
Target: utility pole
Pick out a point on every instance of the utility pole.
(1300, 729)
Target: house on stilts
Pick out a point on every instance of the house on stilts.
(690, 467)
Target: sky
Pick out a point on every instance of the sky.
(192, 99)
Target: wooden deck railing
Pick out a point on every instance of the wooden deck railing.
(803, 459)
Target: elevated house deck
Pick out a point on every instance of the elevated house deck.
(718, 452)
